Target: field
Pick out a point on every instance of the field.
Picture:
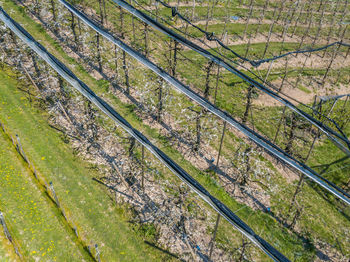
(116, 193)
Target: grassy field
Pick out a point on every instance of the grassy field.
(32, 220)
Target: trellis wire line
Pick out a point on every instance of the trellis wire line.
(80, 86)
(244, 67)
(330, 133)
(250, 71)
(212, 37)
(326, 98)
(257, 138)
(336, 169)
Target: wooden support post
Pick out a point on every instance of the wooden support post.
(347, 53)
(212, 241)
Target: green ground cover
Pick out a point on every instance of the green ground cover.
(32, 220)
(7, 252)
(220, 13)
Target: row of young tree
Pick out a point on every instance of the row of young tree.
(207, 79)
(299, 25)
(194, 126)
(135, 177)
(188, 124)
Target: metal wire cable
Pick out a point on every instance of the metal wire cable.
(245, 68)
(330, 133)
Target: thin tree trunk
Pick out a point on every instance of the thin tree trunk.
(198, 131)
(98, 48)
(244, 244)
(175, 58)
(101, 12)
(146, 39)
(54, 17)
(126, 73)
(248, 104)
(296, 192)
(72, 26)
(217, 84)
(132, 146)
(291, 135)
(207, 80)
(160, 101)
(116, 62)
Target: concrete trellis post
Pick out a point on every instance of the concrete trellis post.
(20, 149)
(76, 231)
(8, 235)
(56, 200)
(97, 253)
(54, 194)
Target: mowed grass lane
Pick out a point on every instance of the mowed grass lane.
(33, 221)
